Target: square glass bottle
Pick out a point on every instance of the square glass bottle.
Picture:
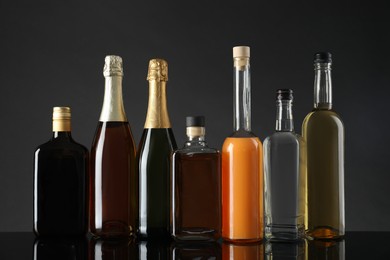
(196, 187)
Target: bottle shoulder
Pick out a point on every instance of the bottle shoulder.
(324, 118)
(188, 150)
(60, 145)
(157, 140)
(283, 138)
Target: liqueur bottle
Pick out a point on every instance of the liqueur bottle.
(242, 168)
(153, 157)
(113, 195)
(323, 132)
(196, 187)
(60, 181)
(284, 176)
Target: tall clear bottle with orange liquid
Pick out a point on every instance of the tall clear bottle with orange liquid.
(242, 166)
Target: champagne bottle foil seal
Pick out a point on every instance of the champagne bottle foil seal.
(158, 70)
(61, 119)
(113, 66)
(157, 114)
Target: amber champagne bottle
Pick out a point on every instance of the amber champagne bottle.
(113, 195)
(323, 132)
(242, 170)
(153, 157)
(60, 181)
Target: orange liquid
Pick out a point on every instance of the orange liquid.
(242, 189)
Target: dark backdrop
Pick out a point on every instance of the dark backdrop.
(52, 54)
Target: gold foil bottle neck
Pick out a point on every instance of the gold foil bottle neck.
(113, 66)
(158, 70)
(61, 119)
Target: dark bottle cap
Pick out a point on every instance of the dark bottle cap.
(323, 57)
(198, 121)
(284, 94)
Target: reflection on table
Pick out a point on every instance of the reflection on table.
(99, 249)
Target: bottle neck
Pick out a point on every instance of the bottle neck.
(322, 86)
(284, 118)
(61, 135)
(157, 115)
(113, 109)
(242, 95)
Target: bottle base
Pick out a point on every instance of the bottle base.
(277, 232)
(242, 240)
(196, 234)
(324, 233)
(154, 233)
(113, 229)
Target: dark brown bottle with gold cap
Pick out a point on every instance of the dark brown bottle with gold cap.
(60, 181)
(112, 190)
(153, 157)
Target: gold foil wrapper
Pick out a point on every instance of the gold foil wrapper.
(158, 70)
(61, 119)
(113, 66)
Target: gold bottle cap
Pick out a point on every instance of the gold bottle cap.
(61, 119)
(61, 113)
(158, 70)
(113, 66)
(241, 52)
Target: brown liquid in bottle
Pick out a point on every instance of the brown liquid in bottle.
(113, 195)
(198, 196)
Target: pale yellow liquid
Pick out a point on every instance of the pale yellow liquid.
(323, 132)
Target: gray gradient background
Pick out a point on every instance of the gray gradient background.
(52, 54)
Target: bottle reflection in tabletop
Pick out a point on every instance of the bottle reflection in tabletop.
(326, 250)
(154, 249)
(250, 251)
(286, 251)
(196, 251)
(113, 249)
(60, 248)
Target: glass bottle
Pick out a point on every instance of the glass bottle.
(284, 176)
(153, 157)
(196, 187)
(242, 168)
(60, 181)
(323, 132)
(113, 195)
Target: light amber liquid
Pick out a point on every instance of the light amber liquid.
(242, 189)
(323, 132)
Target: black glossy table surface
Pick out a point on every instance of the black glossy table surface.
(355, 245)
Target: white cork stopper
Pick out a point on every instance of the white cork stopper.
(241, 51)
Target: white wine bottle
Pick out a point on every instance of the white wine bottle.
(323, 132)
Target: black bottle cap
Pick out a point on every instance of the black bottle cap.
(198, 121)
(284, 94)
(323, 57)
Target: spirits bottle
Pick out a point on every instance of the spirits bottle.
(153, 157)
(323, 132)
(60, 181)
(196, 187)
(242, 168)
(284, 176)
(113, 195)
